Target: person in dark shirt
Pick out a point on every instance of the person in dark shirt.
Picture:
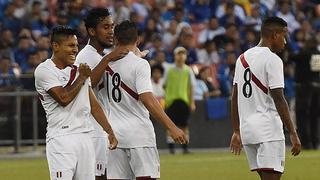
(307, 77)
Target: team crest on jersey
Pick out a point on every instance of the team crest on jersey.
(63, 78)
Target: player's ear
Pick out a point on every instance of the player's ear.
(55, 46)
(91, 32)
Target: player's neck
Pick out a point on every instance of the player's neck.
(58, 62)
(96, 45)
(264, 43)
(130, 47)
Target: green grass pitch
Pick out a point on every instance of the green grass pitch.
(195, 166)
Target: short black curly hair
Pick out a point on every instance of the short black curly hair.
(126, 32)
(95, 16)
(62, 31)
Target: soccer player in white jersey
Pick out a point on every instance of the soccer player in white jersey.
(100, 27)
(68, 100)
(258, 106)
(130, 99)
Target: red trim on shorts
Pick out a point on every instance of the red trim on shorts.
(266, 170)
(73, 73)
(124, 86)
(254, 78)
(145, 178)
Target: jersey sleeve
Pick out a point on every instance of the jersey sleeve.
(91, 59)
(236, 72)
(46, 79)
(275, 74)
(143, 78)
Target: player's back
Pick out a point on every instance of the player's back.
(257, 71)
(72, 118)
(127, 78)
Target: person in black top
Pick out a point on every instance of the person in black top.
(307, 77)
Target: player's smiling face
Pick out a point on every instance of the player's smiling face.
(68, 49)
(104, 32)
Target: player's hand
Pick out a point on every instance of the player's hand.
(193, 106)
(178, 136)
(117, 53)
(112, 141)
(235, 144)
(296, 144)
(139, 53)
(84, 70)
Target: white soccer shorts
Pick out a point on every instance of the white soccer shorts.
(266, 156)
(128, 163)
(101, 149)
(71, 157)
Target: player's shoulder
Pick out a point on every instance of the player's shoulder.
(134, 59)
(88, 52)
(44, 66)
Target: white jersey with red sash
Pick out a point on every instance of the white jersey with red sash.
(257, 71)
(71, 119)
(126, 79)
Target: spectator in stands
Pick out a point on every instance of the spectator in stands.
(285, 13)
(170, 36)
(201, 91)
(211, 31)
(157, 72)
(232, 34)
(7, 74)
(255, 19)
(7, 42)
(238, 10)
(21, 53)
(199, 11)
(141, 9)
(205, 76)
(151, 29)
(119, 11)
(21, 8)
(180, 103)
(9, 20)
(230, 16)
(307, 79)
(250, 40)
(186, 40)
(208, 54)
(160, 58)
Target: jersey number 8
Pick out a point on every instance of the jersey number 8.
(115, 91)
(247, 87)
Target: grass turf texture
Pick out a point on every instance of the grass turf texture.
(195, 166)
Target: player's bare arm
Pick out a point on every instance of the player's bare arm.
(64, 95)
(283, 110)
(235, 144)
(151, 103)
(98, 113)
(191, 99)
(97, 72)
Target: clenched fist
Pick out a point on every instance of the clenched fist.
(84, 70)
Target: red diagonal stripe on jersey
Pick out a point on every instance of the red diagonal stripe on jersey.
(40, 97)
(254, 78)
(73, 73)
(124, 86)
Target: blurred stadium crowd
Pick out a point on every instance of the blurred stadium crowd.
(214, 32)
